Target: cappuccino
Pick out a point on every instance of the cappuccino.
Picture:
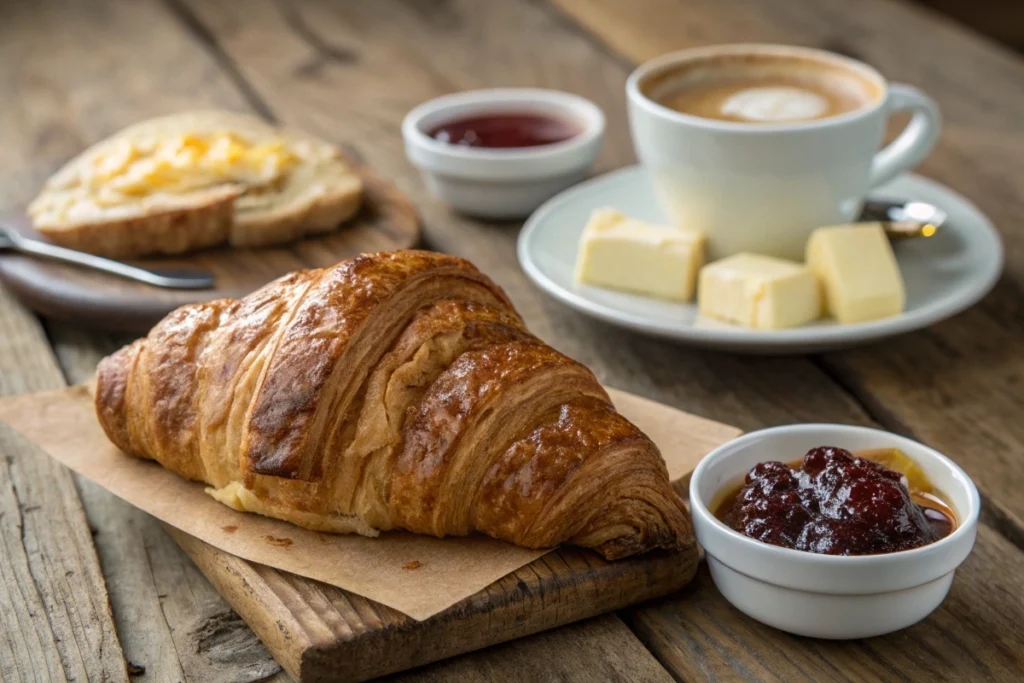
(762, 89)
(773, 142)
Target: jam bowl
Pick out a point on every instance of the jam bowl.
(828, 595)
(502, 152)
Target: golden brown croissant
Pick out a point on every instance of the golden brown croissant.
(392, 391)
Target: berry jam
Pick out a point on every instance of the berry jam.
(835, 503)
(506, 131)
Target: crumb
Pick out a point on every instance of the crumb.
(279, 542)
(415, 564)
(230, 528)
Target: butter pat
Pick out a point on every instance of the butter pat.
(759, 291)
(858, 271)
(619, 252)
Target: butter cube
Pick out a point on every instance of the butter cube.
(858, 271)
(757, 291)
(619, 252)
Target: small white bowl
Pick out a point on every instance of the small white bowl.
(826, 596)
(507, 182)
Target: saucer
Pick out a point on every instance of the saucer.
(944, 274)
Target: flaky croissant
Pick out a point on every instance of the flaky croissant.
(392, 391)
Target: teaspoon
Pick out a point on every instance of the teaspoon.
(904, 220)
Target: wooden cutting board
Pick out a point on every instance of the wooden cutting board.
(387, 221)
(319, 632)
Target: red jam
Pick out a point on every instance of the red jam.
(506, 131)
(834, 503)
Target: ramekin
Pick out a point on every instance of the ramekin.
(502, 183)
(826, 596)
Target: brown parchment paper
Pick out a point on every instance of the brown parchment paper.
(63, 423)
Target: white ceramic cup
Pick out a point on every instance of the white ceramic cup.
(763, 187)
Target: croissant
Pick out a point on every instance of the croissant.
(391, 391)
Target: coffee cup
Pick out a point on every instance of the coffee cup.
(758, 145)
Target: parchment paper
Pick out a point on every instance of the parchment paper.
(417, 575)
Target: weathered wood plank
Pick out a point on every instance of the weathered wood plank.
(957, 385)
(190, 633)
(153, 583)
(54, 610)
(320, 632)
(312, 86)
(114, 63)
(467, 45)
(406, 53)
(601, 649)
(975, 634)
(53, 601)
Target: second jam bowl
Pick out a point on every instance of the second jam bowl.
(500, 153)
(829, 596)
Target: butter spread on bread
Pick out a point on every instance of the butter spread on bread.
(391, 391)
(194, 180)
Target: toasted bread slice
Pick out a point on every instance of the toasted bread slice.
(194, 180)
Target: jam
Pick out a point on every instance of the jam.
(502, 131)
(835, 503)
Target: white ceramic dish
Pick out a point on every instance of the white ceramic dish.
(944, 274)
(820, 595)
(502, 183)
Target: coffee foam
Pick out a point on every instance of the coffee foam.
(775, 104)
(826, 74)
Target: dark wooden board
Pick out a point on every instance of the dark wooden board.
(387, 221)
(319, 632)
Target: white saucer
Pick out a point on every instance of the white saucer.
(944, 274)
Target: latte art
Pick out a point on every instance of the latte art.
(775, 104)
(764, 91)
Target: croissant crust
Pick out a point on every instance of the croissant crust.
(392, 391)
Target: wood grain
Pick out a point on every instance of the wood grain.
(396, 46)
(349, 71)
(55, 620)
(601, 649)
(191, 632)
(54, 608)
(158, 595)
(319, 632)
(974, 635)
(116, 63)
(957, 385)
(514, 43)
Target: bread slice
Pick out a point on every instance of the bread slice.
(193, 180)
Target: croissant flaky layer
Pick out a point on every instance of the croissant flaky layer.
(392, 391)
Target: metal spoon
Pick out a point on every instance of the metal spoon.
(168, 278)
(904, 220)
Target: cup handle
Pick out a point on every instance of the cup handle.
(916, 140)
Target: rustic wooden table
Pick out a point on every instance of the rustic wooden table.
(74, 71)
